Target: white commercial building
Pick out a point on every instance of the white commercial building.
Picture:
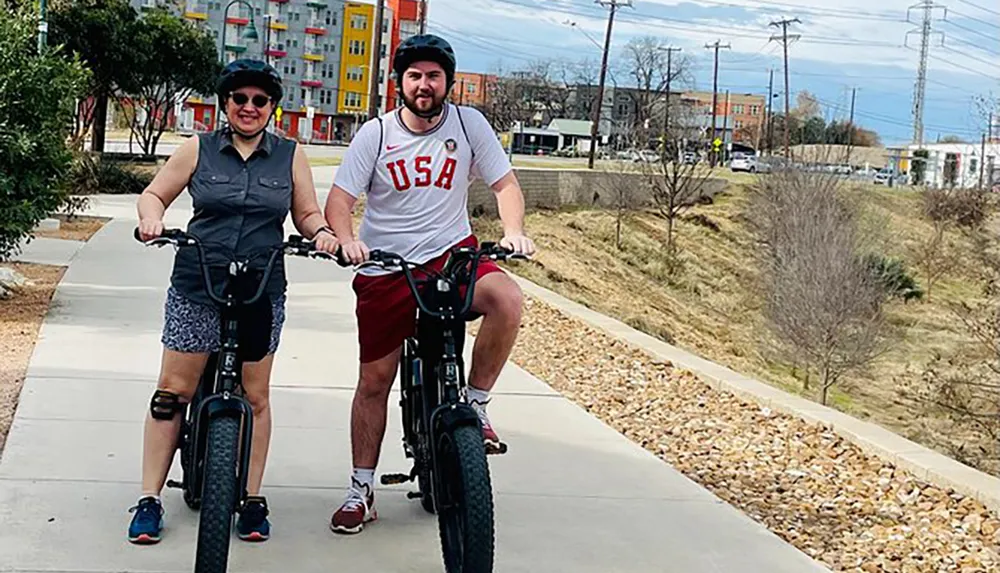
(960, 164)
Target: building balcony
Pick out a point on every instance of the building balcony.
(277, 25)
(237, 21)
(313, 57)
(236, 48)
(276, 53)
(318, 4)
(195, 15)
(316, 30)
(312, 83)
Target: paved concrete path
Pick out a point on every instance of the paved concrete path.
(572, 494)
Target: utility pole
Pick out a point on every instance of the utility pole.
(850, 126)
(982, 163)
(770, 113)
(423, 16)
(599, 103)
(715, 93)
(666, 105)
(784, 40)
(725, 127)
(927, 6)
(376, 61)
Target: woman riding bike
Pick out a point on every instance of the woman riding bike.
(243, 182)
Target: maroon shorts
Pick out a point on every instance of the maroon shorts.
(386, 309)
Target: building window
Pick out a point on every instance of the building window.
(352, 99)
(470, 88)
(739, 124)
(738, 109)
(357, 47)
(754, 109)
(359, 22)
(355, 74)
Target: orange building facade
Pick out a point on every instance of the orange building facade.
(471, 89)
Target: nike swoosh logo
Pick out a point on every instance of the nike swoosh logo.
(391, 147)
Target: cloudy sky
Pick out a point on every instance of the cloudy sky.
(844, 44)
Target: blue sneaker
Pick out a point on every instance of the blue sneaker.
(252, 524)
(147, 522)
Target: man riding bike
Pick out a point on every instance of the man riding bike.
(243, 182)
(415, 164)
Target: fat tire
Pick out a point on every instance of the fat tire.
(218, 499)
(426, 491)
(469, 479)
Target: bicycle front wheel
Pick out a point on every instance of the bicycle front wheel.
(465, 518)
(219, 495)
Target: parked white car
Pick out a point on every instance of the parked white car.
(746, 163)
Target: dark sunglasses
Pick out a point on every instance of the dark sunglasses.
(259, 101)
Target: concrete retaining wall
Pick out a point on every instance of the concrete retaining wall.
(555, 188)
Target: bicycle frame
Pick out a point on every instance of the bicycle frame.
(224, 393)
(432, 363)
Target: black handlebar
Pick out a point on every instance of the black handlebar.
(296, 245)
(459, 257)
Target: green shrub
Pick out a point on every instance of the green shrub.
(893, 277)
(37, 94)
(92, 174)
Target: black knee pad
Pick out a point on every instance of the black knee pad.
(165, 405)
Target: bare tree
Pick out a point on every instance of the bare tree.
(619, 182)
(964, 387)
(673, 184)
(822, 303)
(644, 60)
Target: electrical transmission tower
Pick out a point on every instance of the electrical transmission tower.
(925, 31)
(784, 37)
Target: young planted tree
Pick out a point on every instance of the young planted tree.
(101, 34)
(822, 302)
(173, 60)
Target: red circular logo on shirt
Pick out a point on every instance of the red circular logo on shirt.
(450, 145)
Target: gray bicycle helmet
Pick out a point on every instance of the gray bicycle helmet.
(249, 72)
(425, 47)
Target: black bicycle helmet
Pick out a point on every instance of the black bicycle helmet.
(249, 72)
(425, 47)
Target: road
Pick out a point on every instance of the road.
(572, 494)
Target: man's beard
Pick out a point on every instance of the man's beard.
(411, 104)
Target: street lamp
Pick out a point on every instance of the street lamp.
(249, 34)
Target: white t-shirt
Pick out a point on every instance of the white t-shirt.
(418, 196)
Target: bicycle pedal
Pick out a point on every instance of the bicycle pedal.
(414, 495)
(175, 484)
(494, 450)
(394, 479)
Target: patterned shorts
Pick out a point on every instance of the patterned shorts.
(190, 326)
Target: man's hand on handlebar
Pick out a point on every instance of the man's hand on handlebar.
(520, 244)
(355, 251)
(150, 229)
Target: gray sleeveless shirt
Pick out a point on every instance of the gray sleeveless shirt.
(239, 210)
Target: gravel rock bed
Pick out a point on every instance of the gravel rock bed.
(847, 509)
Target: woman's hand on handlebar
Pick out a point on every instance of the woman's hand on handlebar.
(326, 242)
(150, 229)
(355, 251)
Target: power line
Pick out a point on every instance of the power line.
(973, 18)
(599, 102)
(715, 92)
(974, 5)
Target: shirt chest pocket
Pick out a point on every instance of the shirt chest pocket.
(216, 191)
(272, 193)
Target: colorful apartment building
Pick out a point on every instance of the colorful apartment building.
(322, 48)
(471, 89)
(405, 23)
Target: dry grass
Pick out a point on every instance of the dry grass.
(713, 310)
(20, 318)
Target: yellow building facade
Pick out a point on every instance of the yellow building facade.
(355, 55)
